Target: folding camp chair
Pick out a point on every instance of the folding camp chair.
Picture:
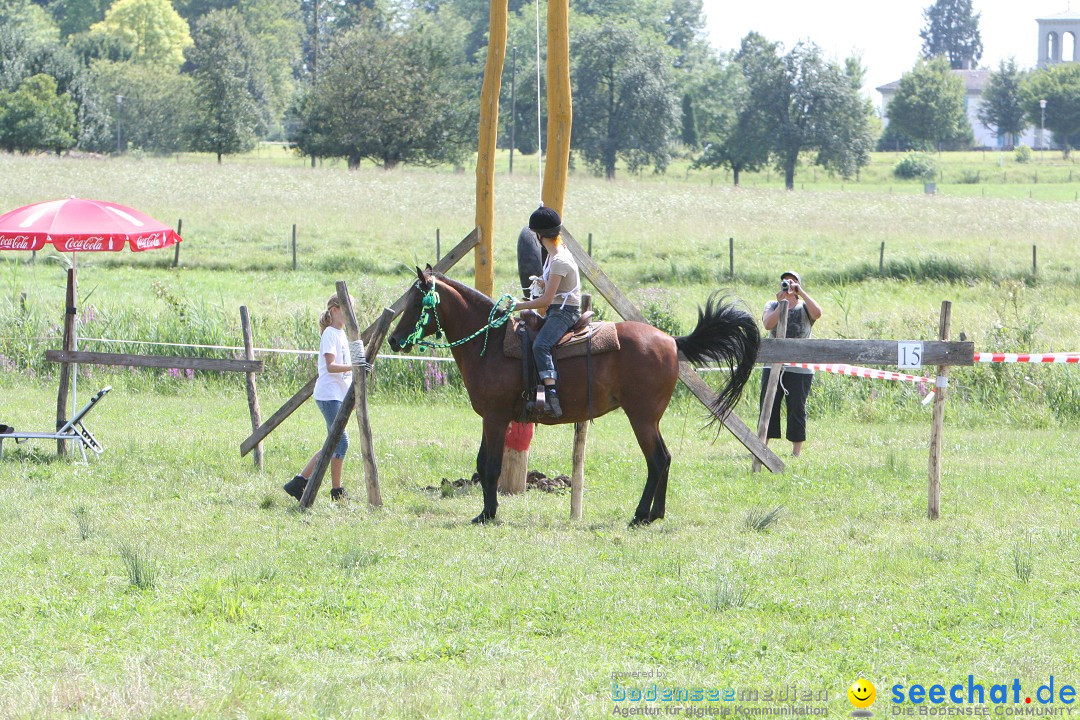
(73, 430)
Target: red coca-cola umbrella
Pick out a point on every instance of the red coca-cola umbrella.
(77, 225)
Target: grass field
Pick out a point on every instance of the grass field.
(169, 579)
(254, 610)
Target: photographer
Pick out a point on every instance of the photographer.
(794, 385)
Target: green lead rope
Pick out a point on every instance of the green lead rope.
(431, 300)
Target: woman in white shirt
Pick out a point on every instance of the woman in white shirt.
(335, 377)
(560, 299)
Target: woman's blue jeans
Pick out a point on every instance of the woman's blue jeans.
(558, 321)
(329, 410)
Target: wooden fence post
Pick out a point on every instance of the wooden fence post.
(337, 428)
(933, 501)
(581, 434)
(881, 259)
(176, 247)
(1034, 259)
(294, 246)
(577, 476)
(360, 382)
(731, 256)
(66, 368)
(252, 392)
(774, 379)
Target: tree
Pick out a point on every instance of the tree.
(76, 16)
(1059, 86)
(155, 115)
(392, 95)
(27, 36)
(689, 134)
(36, 117)
(952, 31)
(847, 134)
(625, 101)
(156, 32)
(929, 104)
(228, 84)
(819, 108)
(1003, 104)
(277, 30)
(743, 140)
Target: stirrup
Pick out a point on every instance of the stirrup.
(540, 402)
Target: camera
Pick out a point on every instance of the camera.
(785, 285)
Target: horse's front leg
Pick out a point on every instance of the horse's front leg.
(489, 465)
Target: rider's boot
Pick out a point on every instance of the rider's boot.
(551, 402)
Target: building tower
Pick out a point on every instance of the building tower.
(1058, 38)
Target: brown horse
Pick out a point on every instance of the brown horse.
(639, 377)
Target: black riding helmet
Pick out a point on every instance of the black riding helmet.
(545, 222)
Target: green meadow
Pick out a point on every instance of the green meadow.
(171, 579)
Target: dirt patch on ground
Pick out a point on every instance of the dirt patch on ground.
(535, 480)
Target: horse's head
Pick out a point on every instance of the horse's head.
(418, 317)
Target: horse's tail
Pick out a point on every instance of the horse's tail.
(728, 335)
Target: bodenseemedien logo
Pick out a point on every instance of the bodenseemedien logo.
(862, 695)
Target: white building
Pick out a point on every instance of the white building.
(1057, 43)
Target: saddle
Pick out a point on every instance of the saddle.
(583, 338)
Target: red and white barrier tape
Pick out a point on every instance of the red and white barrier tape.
(1028, 357)
(871, 373)
(863, 372)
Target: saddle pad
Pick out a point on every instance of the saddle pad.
(604, 339)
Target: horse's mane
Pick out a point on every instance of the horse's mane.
(472, 295)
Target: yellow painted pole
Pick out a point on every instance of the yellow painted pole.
(560, 111)
(485, 158)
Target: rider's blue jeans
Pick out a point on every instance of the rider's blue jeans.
(558, 321)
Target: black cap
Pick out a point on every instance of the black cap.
(545, 222)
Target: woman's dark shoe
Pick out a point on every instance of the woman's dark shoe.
(295, 487)
(552, 407)
(338, 494)
(6, 429)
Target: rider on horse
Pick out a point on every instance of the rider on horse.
(560, 297)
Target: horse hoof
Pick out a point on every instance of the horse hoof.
(639, 521)
(483, 518)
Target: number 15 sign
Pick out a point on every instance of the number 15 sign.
(909, 354)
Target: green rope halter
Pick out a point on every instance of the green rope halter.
(427, 309)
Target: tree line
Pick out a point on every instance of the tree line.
(397, 81)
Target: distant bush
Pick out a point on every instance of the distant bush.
(1023, 154)
(969, 177)
(916, 165)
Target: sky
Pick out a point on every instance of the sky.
(885, 34)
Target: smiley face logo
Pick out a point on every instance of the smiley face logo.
(862, 693)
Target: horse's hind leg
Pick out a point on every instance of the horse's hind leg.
(660, 495)
(489, 465)
(658, 459)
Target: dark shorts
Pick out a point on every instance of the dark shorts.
(798, 389)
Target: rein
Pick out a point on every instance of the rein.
(431, 301)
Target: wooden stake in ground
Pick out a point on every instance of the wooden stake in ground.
(379, 330)
(65, 368)
(252, 392)
(577, 479)
(933, 500)
(515, 465)
(770, 392)
(359, 378)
